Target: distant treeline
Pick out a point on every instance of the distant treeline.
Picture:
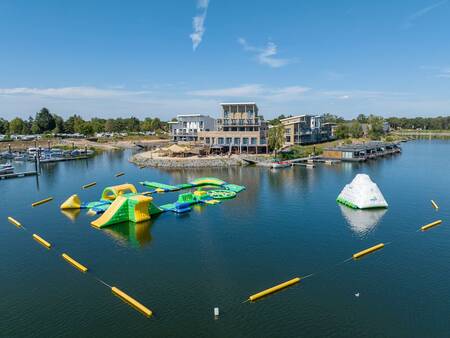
(45, 122)
(425, 123)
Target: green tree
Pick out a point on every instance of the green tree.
(132, 124)
(356, 130)
(342, 131)
(59, 124)
(276, 137)
(98, 125)
(44, 120)
(16, 126)
(4, 126)
(376, 127)
(327, 117)
(84, 128)
(362, 118)
(72, 123)
(109, 126)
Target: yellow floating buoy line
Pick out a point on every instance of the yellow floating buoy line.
(433, 203)
(430, 225)
(35, 204)
(119, 293)
(72, 261)
(368, 251)
(89, 185)
(120, 174)
(133, 302)
(15, 222)
(41, 241)
(273, 289)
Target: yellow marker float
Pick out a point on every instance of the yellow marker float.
(368, 251)
(72, 261)
(41, 241)
(433, 224)
(433, 203)
(35, 204)
(15, 222)
(120, 174)
(133, 302)
(274, 289)
(89, 185)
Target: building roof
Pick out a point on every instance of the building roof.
(297, 116)
(236, 103)
(360, 146)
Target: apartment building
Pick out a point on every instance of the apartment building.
(239, 129)
(187, 127)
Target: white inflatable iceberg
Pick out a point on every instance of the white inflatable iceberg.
(362, 193)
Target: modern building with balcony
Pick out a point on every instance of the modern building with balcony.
(187, 127)
(306, 129)
(239, 129)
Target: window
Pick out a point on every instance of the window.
(208, 141)
(237, 140)
(220, 141)
(245, 140)
(288, 139)
(254, 140)
(228, 140)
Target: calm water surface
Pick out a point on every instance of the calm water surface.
(286, 224)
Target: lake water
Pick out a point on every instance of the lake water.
(286, 224)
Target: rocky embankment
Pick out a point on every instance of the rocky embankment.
(147, 159)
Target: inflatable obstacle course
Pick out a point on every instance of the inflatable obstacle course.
(362, 193)
(122, 203)
(198, 182)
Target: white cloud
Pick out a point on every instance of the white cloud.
(71, 92)
(253, 91)
(266, 55)
(420, 13)
(198, 23)
(250, 90)
(444, 73)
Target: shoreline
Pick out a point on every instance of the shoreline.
(148, 159)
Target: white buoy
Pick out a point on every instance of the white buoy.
(216, 312)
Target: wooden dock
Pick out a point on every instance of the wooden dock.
(63, 159)
(16, 175)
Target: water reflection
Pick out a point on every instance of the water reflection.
(131, 234)
(71, 214)
(362, 222)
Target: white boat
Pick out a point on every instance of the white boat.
(280, 164)
(6, 168)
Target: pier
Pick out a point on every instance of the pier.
(16, 175)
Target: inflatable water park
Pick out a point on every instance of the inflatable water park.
(122, 203)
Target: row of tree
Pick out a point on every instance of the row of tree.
(45, 122)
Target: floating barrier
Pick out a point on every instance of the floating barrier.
(72, 261)
(274, 289)
(120, 174)
(433, 224)
(15, 222)
(133, 302)
(42, 241)
(35, 204)
(89, 185)
(368, 251)
(433, 203)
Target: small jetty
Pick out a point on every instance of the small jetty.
(333, 155)
(16, 175)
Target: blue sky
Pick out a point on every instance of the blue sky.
(160, 58)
